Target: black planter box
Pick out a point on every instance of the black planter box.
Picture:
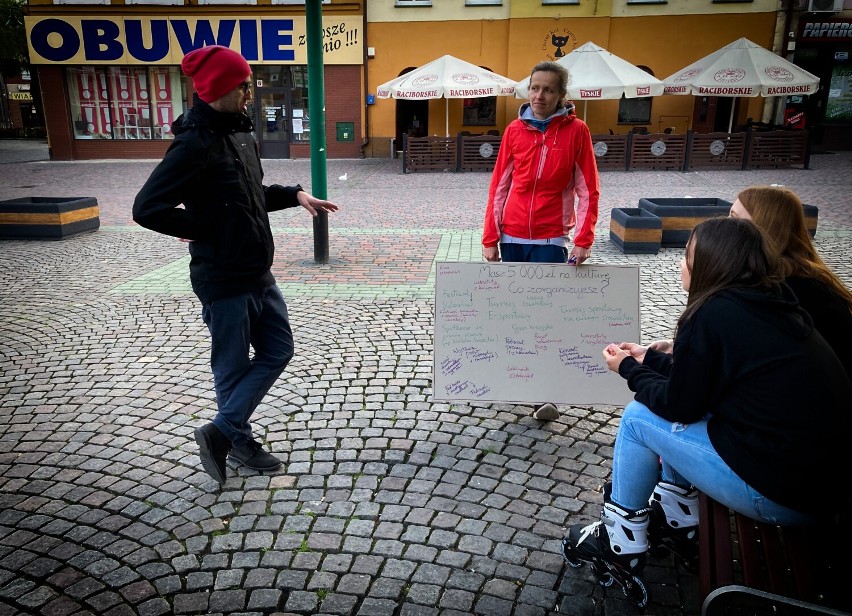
(635, 231)
(680, 215)
(48, 218)
(811, 218)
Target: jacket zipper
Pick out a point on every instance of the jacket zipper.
(535, 185)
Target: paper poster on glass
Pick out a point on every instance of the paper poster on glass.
(839, 105)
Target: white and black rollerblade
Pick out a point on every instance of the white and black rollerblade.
(674, 523)
(615, 547)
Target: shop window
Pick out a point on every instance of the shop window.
(125, 102)
(299, 99)
(480, 111)
(635, 110)
(838, 109)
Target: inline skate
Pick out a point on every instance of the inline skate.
(673, 524)
(615, 547)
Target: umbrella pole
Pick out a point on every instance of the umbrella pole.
(585, 108)
(731, 120)
(447, 116)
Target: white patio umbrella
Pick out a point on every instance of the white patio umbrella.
(742, 68)
(447, 77)
(599, 74)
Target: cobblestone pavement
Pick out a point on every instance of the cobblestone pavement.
(388, 503)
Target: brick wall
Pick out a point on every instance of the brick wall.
(344, 99)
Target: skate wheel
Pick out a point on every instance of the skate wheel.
(635, 590)
(606, 580)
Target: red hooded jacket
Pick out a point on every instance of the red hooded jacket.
(536, 179)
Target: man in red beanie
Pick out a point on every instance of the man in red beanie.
(213, 169)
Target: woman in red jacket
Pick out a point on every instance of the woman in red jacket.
(545, 183)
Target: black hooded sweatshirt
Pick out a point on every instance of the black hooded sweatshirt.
(776, 394)
(213, 168)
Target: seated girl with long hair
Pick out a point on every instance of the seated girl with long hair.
(779, 213)
(751, 408)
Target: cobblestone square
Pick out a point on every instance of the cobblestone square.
(388, 503)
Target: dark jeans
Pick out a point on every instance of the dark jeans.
(533, 253)
(257, 319)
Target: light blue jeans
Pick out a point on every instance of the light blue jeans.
(688, 457)
(255, 320)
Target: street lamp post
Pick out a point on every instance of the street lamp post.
(316, 109)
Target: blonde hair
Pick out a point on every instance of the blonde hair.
(779, 213)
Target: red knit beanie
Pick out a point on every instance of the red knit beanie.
(215, 71)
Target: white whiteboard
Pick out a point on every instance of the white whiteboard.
(532, 332)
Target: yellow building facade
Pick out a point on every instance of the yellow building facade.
(510, 37)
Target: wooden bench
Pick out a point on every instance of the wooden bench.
(750, 568)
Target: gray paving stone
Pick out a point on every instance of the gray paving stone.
(101, 496)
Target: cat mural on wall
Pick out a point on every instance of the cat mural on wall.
(558, 43)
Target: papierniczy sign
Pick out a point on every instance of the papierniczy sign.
(166, 40)
(825, 31)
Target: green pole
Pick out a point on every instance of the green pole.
(316, 111)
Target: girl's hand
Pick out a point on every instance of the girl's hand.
(663, 346)
(637, 351)
(613, 355)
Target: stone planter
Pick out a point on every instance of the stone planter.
(635, 231)
(680, 215)
(48, 218)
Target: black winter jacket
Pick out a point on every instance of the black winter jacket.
(213, 169)
(830, 313)
(777, 395)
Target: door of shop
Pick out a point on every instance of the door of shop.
(272, 121)
(713, 113)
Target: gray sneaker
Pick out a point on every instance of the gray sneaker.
(546, 412)
(252, 455)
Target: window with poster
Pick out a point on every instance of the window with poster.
(838, 108)
(299, 97)
(125, 102)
